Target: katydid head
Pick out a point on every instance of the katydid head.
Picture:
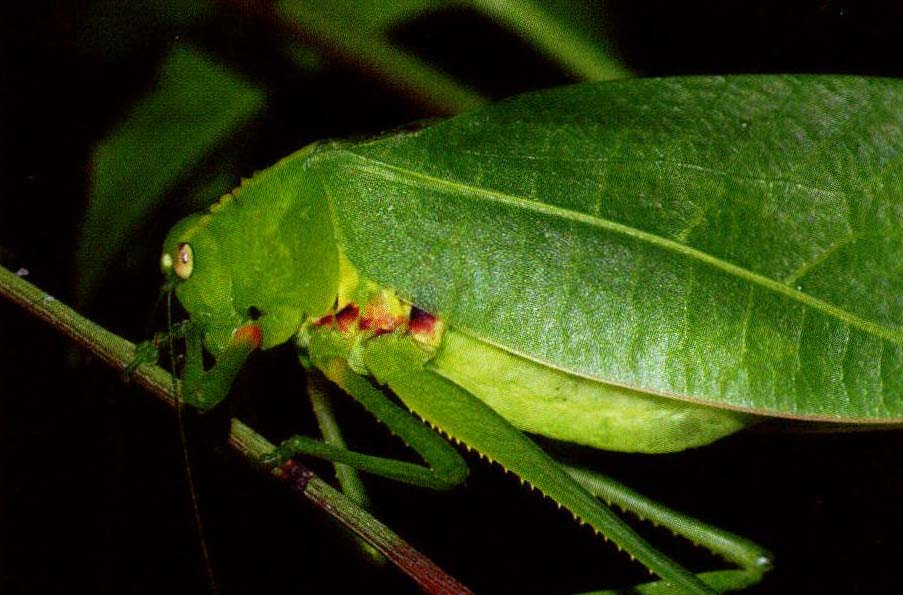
(264, 254)
(194, 270)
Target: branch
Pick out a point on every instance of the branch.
(119, 353)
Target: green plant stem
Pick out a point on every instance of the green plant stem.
(109, 347)
(119, 353)
(581, 56)
(428, 87)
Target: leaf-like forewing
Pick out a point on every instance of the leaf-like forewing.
(736, 241)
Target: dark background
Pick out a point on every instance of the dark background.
(93, 496)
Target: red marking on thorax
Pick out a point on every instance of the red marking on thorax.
(343, 319)
(327, 320)
(378, 319)
(346, 317)
(421, 322)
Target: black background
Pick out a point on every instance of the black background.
(94, 497)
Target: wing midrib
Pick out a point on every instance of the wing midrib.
(403, 175)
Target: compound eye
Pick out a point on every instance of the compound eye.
(184, 264)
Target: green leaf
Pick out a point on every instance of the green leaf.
(360, 31)
(735, 241)
(195, 107)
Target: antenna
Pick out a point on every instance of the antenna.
(183, 438)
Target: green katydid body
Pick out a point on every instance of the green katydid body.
(536, 397)
(574, 286)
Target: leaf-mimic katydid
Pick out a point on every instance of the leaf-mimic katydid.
(641, 266)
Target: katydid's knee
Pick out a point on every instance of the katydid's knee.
(205, 388)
